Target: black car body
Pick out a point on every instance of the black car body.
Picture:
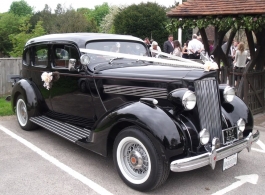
(156, 115)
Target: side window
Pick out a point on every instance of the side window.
(62, 54)
(26, 57)
(40, 56)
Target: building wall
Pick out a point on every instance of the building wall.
(8, 67)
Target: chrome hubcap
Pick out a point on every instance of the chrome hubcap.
(135, 159)
(22, 112)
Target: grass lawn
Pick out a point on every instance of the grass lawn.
(5, 107)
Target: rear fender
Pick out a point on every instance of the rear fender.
(31, 94)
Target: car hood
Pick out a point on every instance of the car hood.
(156, 72)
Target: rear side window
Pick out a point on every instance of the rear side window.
(40, 54)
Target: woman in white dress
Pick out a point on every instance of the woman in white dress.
(177, 49)
(240, 58)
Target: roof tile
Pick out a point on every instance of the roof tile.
(218, 7)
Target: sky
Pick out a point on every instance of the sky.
(39, 5)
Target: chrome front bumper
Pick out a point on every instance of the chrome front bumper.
(210, 158)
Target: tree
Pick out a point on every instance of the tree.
(106, 25)
(99, 13)
(19, 40)
(64, 20)
(143, 20)
(72, 21)
(46, 16)
(20, 8)
(9, 24)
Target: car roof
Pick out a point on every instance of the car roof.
(80, 39)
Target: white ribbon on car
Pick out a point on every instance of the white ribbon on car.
(181, 61)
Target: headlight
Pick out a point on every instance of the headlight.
(241, 124)
(229, 94)
(189, 100)
(182, 99)
(204, 136)
(85, 59)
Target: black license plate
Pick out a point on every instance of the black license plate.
(230, 135)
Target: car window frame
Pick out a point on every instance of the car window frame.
(33, 56)
(53, 55)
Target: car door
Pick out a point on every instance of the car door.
(70, 96)
(35, 62)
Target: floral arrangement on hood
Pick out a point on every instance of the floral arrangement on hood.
(49, 78)
(210, 66)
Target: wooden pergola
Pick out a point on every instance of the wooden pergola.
(227, 15)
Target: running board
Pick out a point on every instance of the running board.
(65, 130)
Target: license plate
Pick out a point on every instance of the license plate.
(229, 135)
(230, 161)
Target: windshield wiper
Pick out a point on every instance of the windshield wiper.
(112, 59)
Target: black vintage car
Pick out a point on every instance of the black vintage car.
(105, 93)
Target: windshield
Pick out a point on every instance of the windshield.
(126, 47)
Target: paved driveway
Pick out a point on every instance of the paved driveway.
(57, 166)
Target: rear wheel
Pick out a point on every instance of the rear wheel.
(23, 115)
(138, 163)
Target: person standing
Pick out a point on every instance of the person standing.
(185, 53)
(147, 42)
(177, 49)
(169, 45)
(195, 47)
(234, 48)
(240, 59)
(211, 45)
(232, 52)
(154, 47)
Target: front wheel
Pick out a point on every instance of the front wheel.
(137, 161)
(23, 114)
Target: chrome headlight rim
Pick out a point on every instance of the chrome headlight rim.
(241, 125)
(85, 59)
(229, 94)
(204, 136)
(189, 100)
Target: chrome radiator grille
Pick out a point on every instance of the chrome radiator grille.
(207, 93)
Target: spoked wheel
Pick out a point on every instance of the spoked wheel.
(23, 115)
(137, 161)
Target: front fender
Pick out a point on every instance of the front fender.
(235, 110)
(31, 94)
(153, 120)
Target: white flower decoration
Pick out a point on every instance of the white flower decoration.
(210, 66)
(47, 78)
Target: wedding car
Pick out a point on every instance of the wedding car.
(154, 115)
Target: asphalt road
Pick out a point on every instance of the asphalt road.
(24, 171)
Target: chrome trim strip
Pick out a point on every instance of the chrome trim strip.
(65, 130)
(149, 92)
(210, 158)
(225, 120)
